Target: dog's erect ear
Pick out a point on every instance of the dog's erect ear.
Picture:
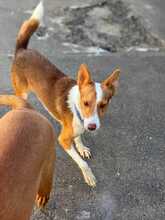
(112, 81)
(84, 76)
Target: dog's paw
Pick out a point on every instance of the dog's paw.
(84, 152)
(89, 176)
(41, 200)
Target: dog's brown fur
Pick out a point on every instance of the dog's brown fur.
(27, 158)
(32, 71)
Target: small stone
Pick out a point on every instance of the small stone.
(84, 215)
(117, 174)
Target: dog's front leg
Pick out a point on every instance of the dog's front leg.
(66, 140)
(84, 151)
(86, 170)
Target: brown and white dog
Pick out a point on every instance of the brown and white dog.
(76, 105)
(27, 157)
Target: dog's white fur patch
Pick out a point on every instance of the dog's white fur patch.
(99, 92)
(83, 150)
(74, 100)
(78, 127)
(38, 12)
(94, 119)
(24, 95)
(76, 157)
(86, 170)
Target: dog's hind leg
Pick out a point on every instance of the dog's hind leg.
(20, 86)
(46, 180)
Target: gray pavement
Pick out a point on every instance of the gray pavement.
(153, 13)
(128, 151)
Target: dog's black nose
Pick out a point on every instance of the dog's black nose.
(92, 127)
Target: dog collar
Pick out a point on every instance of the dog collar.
(78, 115)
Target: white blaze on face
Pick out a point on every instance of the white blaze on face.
(94, 119)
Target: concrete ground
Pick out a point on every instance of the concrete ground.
(129, 150)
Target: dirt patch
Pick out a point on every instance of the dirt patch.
(108, 24)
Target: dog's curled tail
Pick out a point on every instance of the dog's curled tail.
(29, 27)
(14, 101)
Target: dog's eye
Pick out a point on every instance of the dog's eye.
(86, 103)
(102, 105)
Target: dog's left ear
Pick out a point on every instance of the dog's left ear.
(112, 82)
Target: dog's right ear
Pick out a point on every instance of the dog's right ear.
(84, 76)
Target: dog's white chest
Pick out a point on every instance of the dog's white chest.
(78, 127)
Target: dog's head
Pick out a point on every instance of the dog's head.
(95, 97)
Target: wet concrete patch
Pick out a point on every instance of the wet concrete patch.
(109, 24)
